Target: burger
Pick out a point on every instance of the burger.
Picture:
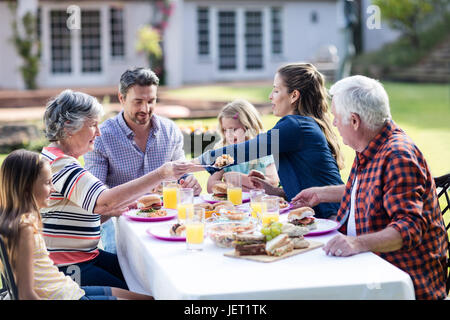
(303, 217)
(279, 245)
(149, 203)
(249, 244)
(220, 191)
(296, 234)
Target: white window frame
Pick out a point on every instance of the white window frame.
(241, 71)
(76, 76)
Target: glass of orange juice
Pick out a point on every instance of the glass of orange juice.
(256, 203)
(185, 203)
(234, 187)
(195, 229)
(272, 210)
(170, 194)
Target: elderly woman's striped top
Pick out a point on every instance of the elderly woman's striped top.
(71, 230)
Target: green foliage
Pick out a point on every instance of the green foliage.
(406, 15)
(27, 47)
(400, 53)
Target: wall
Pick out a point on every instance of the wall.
(301, 38)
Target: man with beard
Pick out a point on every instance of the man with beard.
(136, 141)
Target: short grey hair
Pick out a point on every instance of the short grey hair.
(137, 76)
(67, 112)
(364, 96)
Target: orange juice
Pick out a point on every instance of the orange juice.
(195, 233)
(183, 208)
(234, 195)
(267, 218)
(170, 197)
(258, 208)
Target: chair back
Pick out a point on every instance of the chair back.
(442, 186)
(7, 275)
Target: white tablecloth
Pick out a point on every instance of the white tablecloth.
(167, 270)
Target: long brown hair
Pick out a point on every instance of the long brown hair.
(313, 101)
(18, 174)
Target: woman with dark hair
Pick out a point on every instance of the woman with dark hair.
(304, 146)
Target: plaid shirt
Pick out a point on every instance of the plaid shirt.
(395, 189)
(117, 159)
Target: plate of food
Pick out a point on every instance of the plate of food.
(149, 209)
(168, 232)
(153, 216)
(304, 217)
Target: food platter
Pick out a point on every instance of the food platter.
(132, 214)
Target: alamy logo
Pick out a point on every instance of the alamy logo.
(74, 20)
(374, 19)
(75, 273)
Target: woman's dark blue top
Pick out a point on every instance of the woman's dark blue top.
(302, 157)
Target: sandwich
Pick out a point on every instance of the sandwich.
(249, 244)
(178, 230)
(303, 217)
(223, 160)
(279, 245)
(220, 191)
(151, 205)
(296, 234)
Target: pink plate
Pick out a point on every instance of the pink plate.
(323, 226)
(162, 232)
(131, 214)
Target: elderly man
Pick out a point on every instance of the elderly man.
(136, 141)
(389, 205)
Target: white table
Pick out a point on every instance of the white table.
(167, 270)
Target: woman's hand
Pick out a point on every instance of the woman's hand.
(173, 169)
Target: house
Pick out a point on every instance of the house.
(205, 40)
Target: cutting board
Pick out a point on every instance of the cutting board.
(265, 258)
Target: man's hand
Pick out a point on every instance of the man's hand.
(191, 182)
(306, 198)
(342, 246)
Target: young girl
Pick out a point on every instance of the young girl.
(26, 181)
(239, 121)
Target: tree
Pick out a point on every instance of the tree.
(406, 16)
(28, 47)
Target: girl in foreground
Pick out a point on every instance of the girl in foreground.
(26, 181)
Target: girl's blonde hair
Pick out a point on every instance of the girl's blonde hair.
(313, 101)
(246, 113)
(18, 175)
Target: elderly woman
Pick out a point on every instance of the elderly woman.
(71, 223)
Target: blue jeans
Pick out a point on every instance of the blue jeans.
(108, 234)
(97, 293)
(103, 270)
